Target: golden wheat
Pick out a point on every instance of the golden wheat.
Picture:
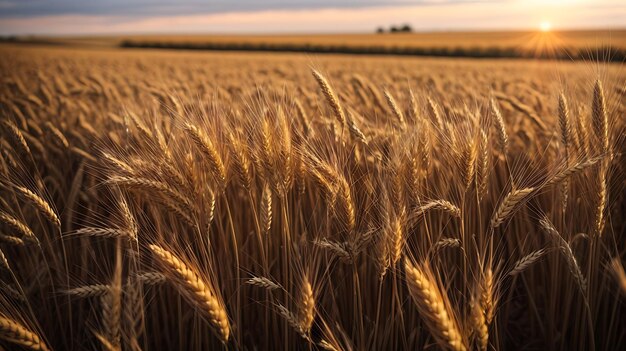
(198, 290)
(430, 302)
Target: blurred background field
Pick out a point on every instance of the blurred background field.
(594, 44)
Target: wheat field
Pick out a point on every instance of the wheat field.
(578, 39)
(158, 200)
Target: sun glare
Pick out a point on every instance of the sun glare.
(545, 26)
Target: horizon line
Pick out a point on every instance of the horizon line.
(314, 33)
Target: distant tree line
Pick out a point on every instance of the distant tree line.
(599, 54)
(405, 28)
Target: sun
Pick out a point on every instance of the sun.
(545, 26)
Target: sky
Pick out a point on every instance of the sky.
(88, 17)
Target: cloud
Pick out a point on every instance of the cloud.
(427, 15)
(148, 8)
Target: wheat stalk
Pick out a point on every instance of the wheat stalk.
(266, 209)
(355, 131)
(433, 308)
(395, 109)
(58, 134)
(105, 343)
(503, 138)
(241, 162)
(396, 240)
(193, 286)
(566, 135)
(139, 125)
(95, 290)
(487, 295)
(119, 164)
(12, 240)
(468, 161)
(508, 204)
(599, 117)
(523, 108)
(40, 204)
(564, 122)
(17, 136)
(601, 198)
(130, 223)
(445, 243)
(208, 149)
(103, 232)
(440, 205)
(18, 226)
(264, 283)
(566, 250)
(523, 263)
(306, 306)
(15, 333)
(292, 319)
(151, 278)
(331, 97)
(136, 183)
(345, 204)
(433, 109)
(482, 163)
(573, 169)
(4, 262)
(480, 326)
(339, 249)
(304, 119)
(582, 132)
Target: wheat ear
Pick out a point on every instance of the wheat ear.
(444, 243)
(17, 136)
(601, 196)
(440, 205)
(200, 292)
(40, 204)
(523, 263)
(395, 109)
(4, 262)
(487, 296)
(338, 249)
(266, 209)
(306, 306)
(573, 169)
(18, 334)
(95, 290)
(12, 240)
(480, 325)
(103, 232)
(432, 306)
(208, 149)
(18, 226)
(503, 138)
(331, 97)
(355, 131)
(599, 117)
(58, 134)
(508, 204)
(433, 109)
(264, 283)
(567, 252)
(482, 163)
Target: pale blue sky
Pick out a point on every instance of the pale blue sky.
(299, 16)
